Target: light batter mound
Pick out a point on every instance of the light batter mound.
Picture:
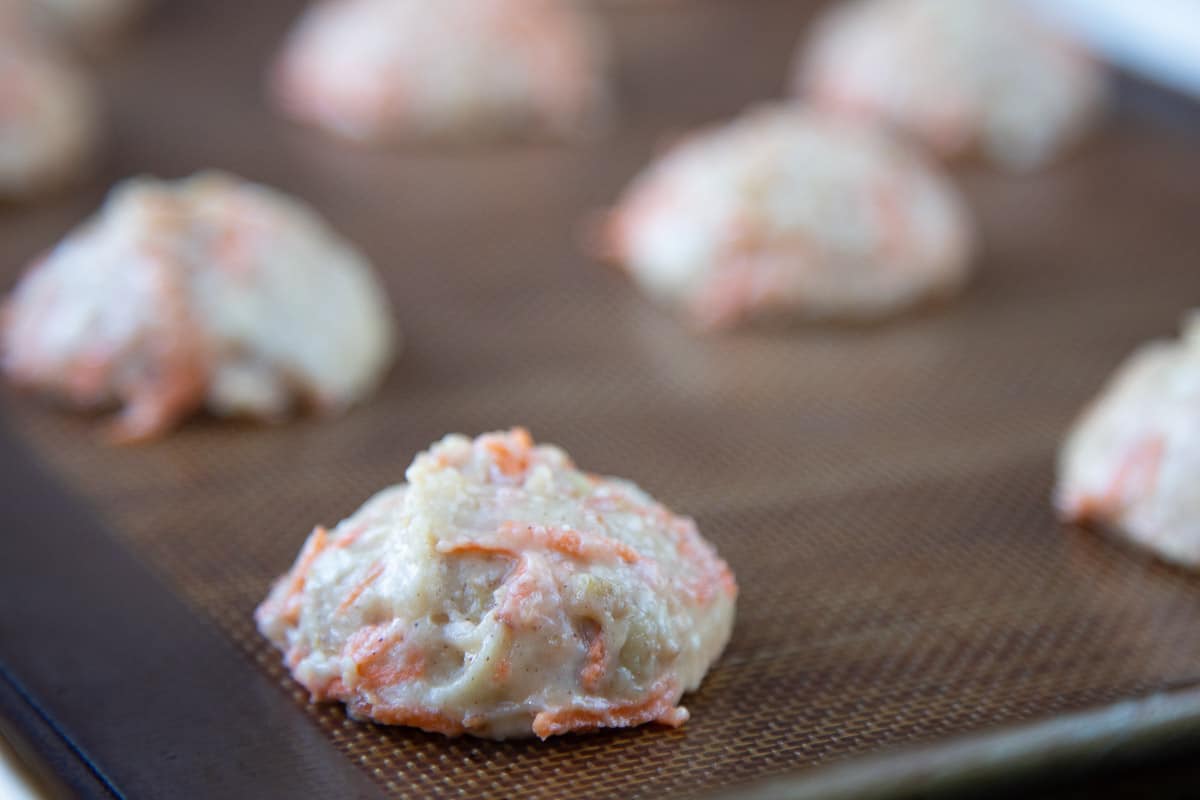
(501, 592)
(787, 212)
(382, 71)
(1131, 461)
(49, 113)
(964, 76)
(209, 292)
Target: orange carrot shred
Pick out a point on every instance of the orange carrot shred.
(657, 708)
(372, 651)
(595, 668)
(1143, 461)
(372, 574)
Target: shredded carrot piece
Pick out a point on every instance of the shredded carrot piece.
(414, 717)
(595, 668)
(521, 587)
(333, 690)
(178, 355)
(372, 574)
(503, 669)
(312, 548)
(1141, 463)
(523, 438)
(483, 548)
(625, 552)
(350, 537)
(373, 651)
(317, 542)
(714, 573)
(386, 714)
(295, 656)
(566, 541)
(890, 203)
(511, 453)
(231, 250)
(657, 708)
(728, 582)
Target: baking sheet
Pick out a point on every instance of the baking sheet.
(881, 492)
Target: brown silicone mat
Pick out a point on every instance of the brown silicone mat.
(881, 493)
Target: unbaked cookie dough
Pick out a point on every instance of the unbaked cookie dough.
(382, 71)
(964, 76)
(1131, 461)
(503, 593)
(49, 115)
(787, 212)
(206, 292)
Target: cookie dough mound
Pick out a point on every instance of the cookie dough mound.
(964, 76)
(379, 71)
(1131, 461)
(501, 592)
(788, 212)
(49, 117)
(207, 292)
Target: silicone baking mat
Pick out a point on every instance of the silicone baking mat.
(881, 492)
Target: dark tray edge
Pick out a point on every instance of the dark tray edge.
(1076, 745)
(116, 685)
(54, 761)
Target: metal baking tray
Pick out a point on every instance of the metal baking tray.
(910, 611)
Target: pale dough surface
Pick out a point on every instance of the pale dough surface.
(789, 212)
(501, 592)
(1131, 461)
(963, 76)
(382, 71)
(209, 292)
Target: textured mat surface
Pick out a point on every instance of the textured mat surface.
(881, 493)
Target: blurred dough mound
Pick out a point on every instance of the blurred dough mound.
(385, 70)
(785, 212)
(977, 77)
(207, 292)
(1131, 461)
(501, 592)
(87, 22)
(49, 114)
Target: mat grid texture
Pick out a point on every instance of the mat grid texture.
(882, 493)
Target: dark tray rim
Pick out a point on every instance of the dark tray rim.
(1110, 737)
(120, 689)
